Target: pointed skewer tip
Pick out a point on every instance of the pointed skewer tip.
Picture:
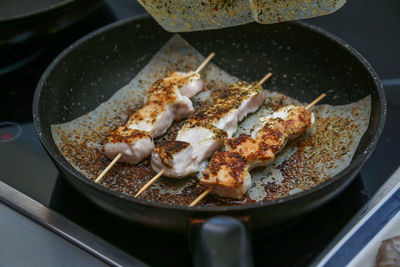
(200, 197)
(104, 172)
(265, 78)
(205, 62)
(315, 101)
(155, 178)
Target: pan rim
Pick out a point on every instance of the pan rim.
(38, 12)
(358, 161)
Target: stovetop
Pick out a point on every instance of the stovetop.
(369, 26)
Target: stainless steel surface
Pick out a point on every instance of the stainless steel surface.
(24, 243)
(62, 243)
(341, 237)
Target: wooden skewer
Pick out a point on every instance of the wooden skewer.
(315, 101)
(158, 175)
(266, 77)
(202, 195)
(208, 190)
(104, 172)
(98, 179)
(150, 182)
(205, 62)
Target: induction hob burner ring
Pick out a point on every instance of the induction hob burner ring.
(9, 131)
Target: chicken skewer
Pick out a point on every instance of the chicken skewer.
(228, 172)
(205, 132)
(167, 100)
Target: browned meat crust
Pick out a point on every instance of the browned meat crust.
(123, 134)
(223, 163)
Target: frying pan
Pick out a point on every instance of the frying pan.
(26, 25)
(312, 52)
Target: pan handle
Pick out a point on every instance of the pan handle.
(222, 241)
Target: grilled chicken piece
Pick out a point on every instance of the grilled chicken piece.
(294, 119)
(204, 138)
(191, 84)
(200, 139)
(272, 135)
(234, 104)
(207, 129)
(228, 172)
(167, 100)
(256, 153)
(182, 152)
(154, 117)
(133, 144)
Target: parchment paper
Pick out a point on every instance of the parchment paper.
(323, 151)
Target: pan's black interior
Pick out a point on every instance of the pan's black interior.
(304, 62)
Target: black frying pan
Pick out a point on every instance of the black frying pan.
(312, 50)
(28, 25)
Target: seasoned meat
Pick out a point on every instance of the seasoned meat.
(228, 172)
(255, 152)
(132, 144)
(295, 119)
(207, 129)
(202, 139)
(191, 83)
(167, 100)
(177, 165)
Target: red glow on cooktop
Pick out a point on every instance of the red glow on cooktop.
(6, 137)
